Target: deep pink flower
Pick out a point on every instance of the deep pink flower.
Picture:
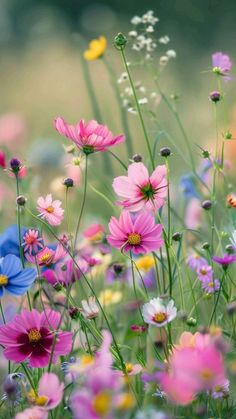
(221, 64)
(88, 137)
(139, 234)
(30, 335)
(225, 261)
(48, 257)
(2, 159)
(32, 242)
(50, 210)
(138, 190)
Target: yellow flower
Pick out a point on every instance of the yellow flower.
(96, 49)
(145, 263)
(108, 297)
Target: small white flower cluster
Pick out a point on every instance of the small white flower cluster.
(143, 40)
(127, 95)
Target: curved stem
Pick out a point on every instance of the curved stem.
(83, 201)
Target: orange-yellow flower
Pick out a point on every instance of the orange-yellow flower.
(96, 49)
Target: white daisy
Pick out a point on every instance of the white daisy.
(157, 313)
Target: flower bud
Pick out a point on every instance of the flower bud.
(207, 204)
(227, 135)
(182, 315)
(205, 154)
(230, 249)
(21, 200)
(231, 308)
(137, 158)
(191, 322)
(15, 165)
(74, 313)
(68, 182)
(215, 96)
(206, 246)
(177, 236)
(120, 41)
(165, 151)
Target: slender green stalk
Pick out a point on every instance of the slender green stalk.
(83, 201)
(138, 108)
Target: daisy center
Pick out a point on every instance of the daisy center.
(129, 368)
(46, 258)
(159, 317)
(34, 335)
(134, 239)
(211, 284)
(206, 374)
(203, 271)
(3, 280)
(102, 403)
(41, 400)
(50, 209)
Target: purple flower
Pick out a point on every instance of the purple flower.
(221, 64)
(210, 285)
(225, 261)
(205, 272)
(195, 262)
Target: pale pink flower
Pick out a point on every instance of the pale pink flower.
(50, 392)
(193, 214)
(12, 129)
(88, 137)
(139, 234)
(138, 190)
(94, 232)
(50, 210)
(32, 413)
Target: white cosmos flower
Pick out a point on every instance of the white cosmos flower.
(233, 240)
(89, 308)
(157, 313)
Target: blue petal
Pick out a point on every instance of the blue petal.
(11, 265)
(9, 242)
(14, 289)
(1, 291)
(25, 278)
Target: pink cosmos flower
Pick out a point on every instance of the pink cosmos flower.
(30, 335)
(50, 392)
(210, 285)
(32, 413)
(94, 232)
(88, 137)
(221, 64)
(50, 210)
(195, 262)
(139, 234)
(65, 272)
(32, 242)
(48, 257)
(205, 272)
(138, 190)
(2, 159)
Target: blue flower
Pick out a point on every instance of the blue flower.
(9, 242)
(13, 277)
(188, 186)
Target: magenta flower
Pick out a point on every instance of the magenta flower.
(50, 210)
(221, 64)
(225, 261)
(32, 242)
(139, 234)
(88, 137)
(30, 335)
(138, 190)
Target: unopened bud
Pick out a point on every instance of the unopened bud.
(207, 204)
(21, 200)
(165, 151)
(68, 182)
(137, 158)
(120, 41)
(177, 236)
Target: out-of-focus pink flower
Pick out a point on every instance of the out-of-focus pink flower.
(195, 366)
(193, 214)
(22, 173)
(221, 64)
(94, 232)
(32, 242)
(34, 412)
(50, 210)
(2, 160)
(205, 272)
(5, 194)
(65, 272)
(12, 130)
(210, 285)
(138, 190)
(88, 137)
(30, 335)
(48, 257)
(140, 234)
(50, 392)
(74, 170)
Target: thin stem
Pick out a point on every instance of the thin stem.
(138, 108)
(83, 201)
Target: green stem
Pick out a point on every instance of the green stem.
(83, 201)
(138, 108)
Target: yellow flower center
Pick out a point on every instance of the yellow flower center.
(34, 335)
(38, 400)
(211, 284)
(134, 239)
(218, 388)
(126, 402)
(203, 271)
(196, 256)
(145, 263)
(102, 403)
(129, 367)
(86, 360)
(206, 374)
(3, 280)
(50, 209)
(45, 258)
(159, 317)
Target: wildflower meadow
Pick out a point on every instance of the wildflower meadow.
(117, 270)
